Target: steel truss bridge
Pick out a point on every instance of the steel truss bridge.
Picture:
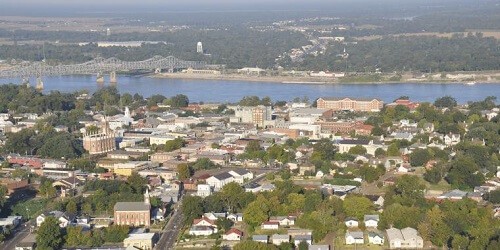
(98, 66)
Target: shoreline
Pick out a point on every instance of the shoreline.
(304, 80)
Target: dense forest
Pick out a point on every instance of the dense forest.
(417, 53)
(238, 49)
(235, 47)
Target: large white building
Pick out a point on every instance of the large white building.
(220, 180)
(258, 115)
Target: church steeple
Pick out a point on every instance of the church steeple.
(146, 196)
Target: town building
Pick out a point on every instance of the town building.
(144, 241)
(133, 213)
(360, 105)
(259, 115)
(100, 142)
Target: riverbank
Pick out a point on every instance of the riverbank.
(441, 78)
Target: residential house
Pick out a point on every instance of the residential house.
(204, 222)
(453, 195)
(371, 220)
(406, 238)
(238, 217)
(351, 222)
(451, 139)
(307, 168)
(278, 239)
(233, 234)
(260, 238)
(375, 238)
(307, 238)
(270, 225)
(354, 237)
(11, 221)
(63, 218)
(202, 230)
(240, 175)
(283, 220)
(378, 200)
(214, 216)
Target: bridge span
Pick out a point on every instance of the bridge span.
(98, 66)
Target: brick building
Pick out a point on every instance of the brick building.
(133, 213)
(338, 104)
(100, 142)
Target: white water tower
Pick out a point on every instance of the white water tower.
(199, 48)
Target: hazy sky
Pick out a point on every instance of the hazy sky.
(15, 7)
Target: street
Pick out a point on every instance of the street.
(171, 231)
(19, 234)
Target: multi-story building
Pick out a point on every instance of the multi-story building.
(258, 115)
(100, 142)
(133, 213)
(338, 104)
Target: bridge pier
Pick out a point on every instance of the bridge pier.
(100, 78)
(112, 77)
(157, 71)
(39, 83)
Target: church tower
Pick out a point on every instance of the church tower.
(146, 197)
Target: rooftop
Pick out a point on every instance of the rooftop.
(132, 206)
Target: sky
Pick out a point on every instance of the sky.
(16, 7)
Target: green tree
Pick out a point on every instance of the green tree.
(303, 245)
(445, 102)
(179, 101)
(419, 157)
(74, 236)
(494, 196)
(71, 207)
(184, 171)
(224, 224)
(46, 189)
(256, 212)
(393, 150)
(357, 150)
(357, 206)
(434, 175)
(137, 182)
(408, 191)
(174, 144)
(231, 194)
(434, 228)
(380, 152)
(464, 173)
(398, 216)
(49, 235)
(116, 233)
(192, 208)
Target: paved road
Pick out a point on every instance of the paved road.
(19, 234)
(171, 231)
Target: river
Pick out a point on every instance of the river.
(232, 91)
